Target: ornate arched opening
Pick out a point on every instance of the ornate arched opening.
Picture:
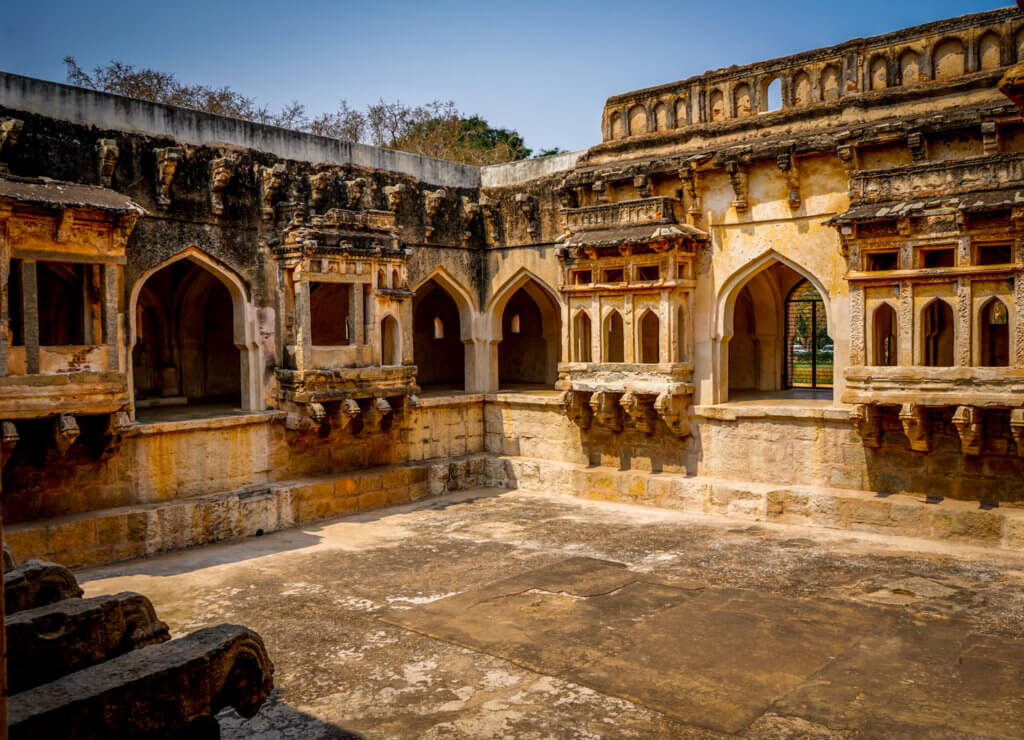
(994, 334)
(883, 337)
(613, 338)
(810, 352)
(582, 340)
(529, 356)
(390, 341)
(437, 344)
(650, 334)
(937, 334)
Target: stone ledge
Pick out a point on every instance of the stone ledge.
(726, 412)
(896, 514)
(450, 399)
(525, 398)
(198, 425)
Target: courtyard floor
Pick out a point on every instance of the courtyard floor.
(504, 614)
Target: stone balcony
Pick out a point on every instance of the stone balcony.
(641, 212)
(935, 179)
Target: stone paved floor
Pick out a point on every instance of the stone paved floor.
(504, 614)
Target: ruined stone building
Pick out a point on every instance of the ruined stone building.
(790, 290)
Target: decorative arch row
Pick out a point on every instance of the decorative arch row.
(612, 342)
(935, 333)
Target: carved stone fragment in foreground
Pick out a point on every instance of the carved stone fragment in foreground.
(38, 583)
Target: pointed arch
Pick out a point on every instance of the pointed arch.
(937, 332)
(802, 88)
(390, 341)
(531, 356)
(994, 319)
(464, 299)
(884, 333)
(910, 67)
(650, 337)
(990, 51)
(949, 59)
(878, 73)
(582, 337)
(243, 321)
(613, 343)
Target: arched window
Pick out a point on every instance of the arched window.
(809, 348)
(681, 352)
(741, 100)
(581, 335)
(884, 336)
(988, 51)
(937, 335)
(830, 88)
(682, 112)
(514, 325)
(801, 88)
(637, 120)
(660, 117)
(390, 342)
(949, 59)
(995, 334)
(614, 344)
(615, 126)
(910, 67)
(649, 339)
(380, 280)
(396, 280)
(773, 96)
(716, 106)
(437, 347)
(438, 328)
(879, 74)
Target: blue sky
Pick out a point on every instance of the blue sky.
(543, 68)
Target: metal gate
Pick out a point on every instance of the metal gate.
(809, 348)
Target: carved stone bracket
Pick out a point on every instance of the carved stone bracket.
(1017, 429)
(393, 195)
(271, 179)
(739, 178)
(490, 212)
(221, 171)
(109, 440)
(606, 410)
(970, 425)
(640, 410)
(107, 151)
(65, 432)
(318, 185)
(918, 146)
(432, 202)
(379, 414)
(990, 137)
(472, 210)
(787, 164)
(690, 179)
(576, 405)
(167, 161)
(867, 420)
(847, 154)
(600, 191)
(915, 425)
(673, 408)
(10, 130)
(528, 206)
(642, 183)
(354, 190)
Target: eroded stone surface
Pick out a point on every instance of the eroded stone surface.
(772, 622)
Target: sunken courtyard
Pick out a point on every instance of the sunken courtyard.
(714, 429)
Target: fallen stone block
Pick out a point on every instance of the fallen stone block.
(164, 690)
(51, 641)
(38, 583)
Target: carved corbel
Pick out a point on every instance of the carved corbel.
(393, 195)
(904, 226)
(350, 415)
(970, 425)
(10, 130)
(490, 212)
(354, 190)
(739, 178)
(640, 411)
(528, 206)
(318, 185)
(65, 432)
(600, 190)
(867, 420)
(65, 226)
(787, 164)
(167, 161)
(691, 186)
(918, 146)
(271, 179)
(567, 197)
(990, 137)
(576, 405)
(847, 154)
(915, 425)
(642, 183)
(673, 410)
(221, 171)
(108, 441)
(379, 414)
(472, 210)
(1016, 429)
(432, 202)
(605, 408)
(107, 150)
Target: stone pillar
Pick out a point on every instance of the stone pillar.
(355, 313)
(567, 338)
(30, 315)
(629, 332)
(303, 327)
(595, 329)
(109, 298)
(905, 327)
(3, 637)
(664, 328)
(857, 353)
(962, 334)
(1018, 321)
(5, 273)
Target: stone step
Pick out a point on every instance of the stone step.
(909, 515)
(109, 535)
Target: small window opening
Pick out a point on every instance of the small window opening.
(380, 280)
(773, 96)
(885, 336)
(614, 276)
(515, 324)
(438, 328)
(396, 280)
(581, 277)
(938, 335)
(878, 261)
(995, 254)
(939, 258)
(648, 272)
(995, 334)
